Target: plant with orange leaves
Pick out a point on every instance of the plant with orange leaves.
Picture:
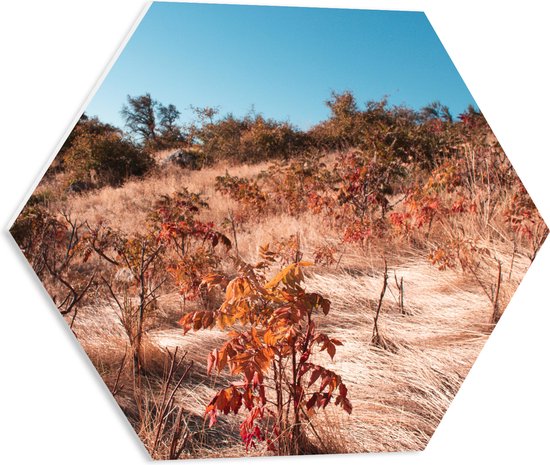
(270, 346)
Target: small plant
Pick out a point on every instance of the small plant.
(400, 285)
(284, 251)
(478, 262)
(441, 197)
(245, 191)
(377, 338)
(294, 186)
(324, 255)
(134, 280)
(363, 194)
(193, 242)
(272, 340)
(366, 182)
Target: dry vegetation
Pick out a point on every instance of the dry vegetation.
(414, 231)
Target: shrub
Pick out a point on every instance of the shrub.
(275, 335)
(386, 133)
(524, 220)
(267, 139)
(343, 128)
(53, 245)
(193, 242)
(247, 192)
(293, 185)
(251, 139)
(100, 155)
(131, 268)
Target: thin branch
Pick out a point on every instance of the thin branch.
(116, 388)
(375, 332)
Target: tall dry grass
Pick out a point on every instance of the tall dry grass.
(399, 396)
(125, 208)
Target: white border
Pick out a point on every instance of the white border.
(53, 406)
(81, 110)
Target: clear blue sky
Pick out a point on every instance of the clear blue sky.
(283, 61)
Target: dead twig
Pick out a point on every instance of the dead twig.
(496, 293)
(117, 387)
(401, 288)
(377, 339)
(166, 406)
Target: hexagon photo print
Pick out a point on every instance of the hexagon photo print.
(281, 231)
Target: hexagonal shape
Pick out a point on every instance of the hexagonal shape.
(250, 284)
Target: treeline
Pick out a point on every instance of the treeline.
(97, 154)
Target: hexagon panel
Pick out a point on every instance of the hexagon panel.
(281, 231)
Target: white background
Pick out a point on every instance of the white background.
(53, 406)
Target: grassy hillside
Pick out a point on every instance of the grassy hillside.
(411, 231)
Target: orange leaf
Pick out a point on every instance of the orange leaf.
(210, 362)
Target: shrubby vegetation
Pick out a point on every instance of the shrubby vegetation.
(376, 183)
(98, 154)
(386, 133)
(251, 139)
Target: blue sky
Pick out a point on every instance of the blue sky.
(282, 61)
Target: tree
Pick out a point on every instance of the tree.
(206, 114)
(168, 118)
(436, 110)
(169, 129)
(140, 117)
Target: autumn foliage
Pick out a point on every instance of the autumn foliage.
(272, 338)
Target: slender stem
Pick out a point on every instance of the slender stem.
(375, 332)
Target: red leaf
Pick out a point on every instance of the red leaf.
(326, 381)
(312, 401)
(315, 375)
(343, 390)
(331, 349)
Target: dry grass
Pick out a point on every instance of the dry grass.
(399, 396)
(125, 208)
